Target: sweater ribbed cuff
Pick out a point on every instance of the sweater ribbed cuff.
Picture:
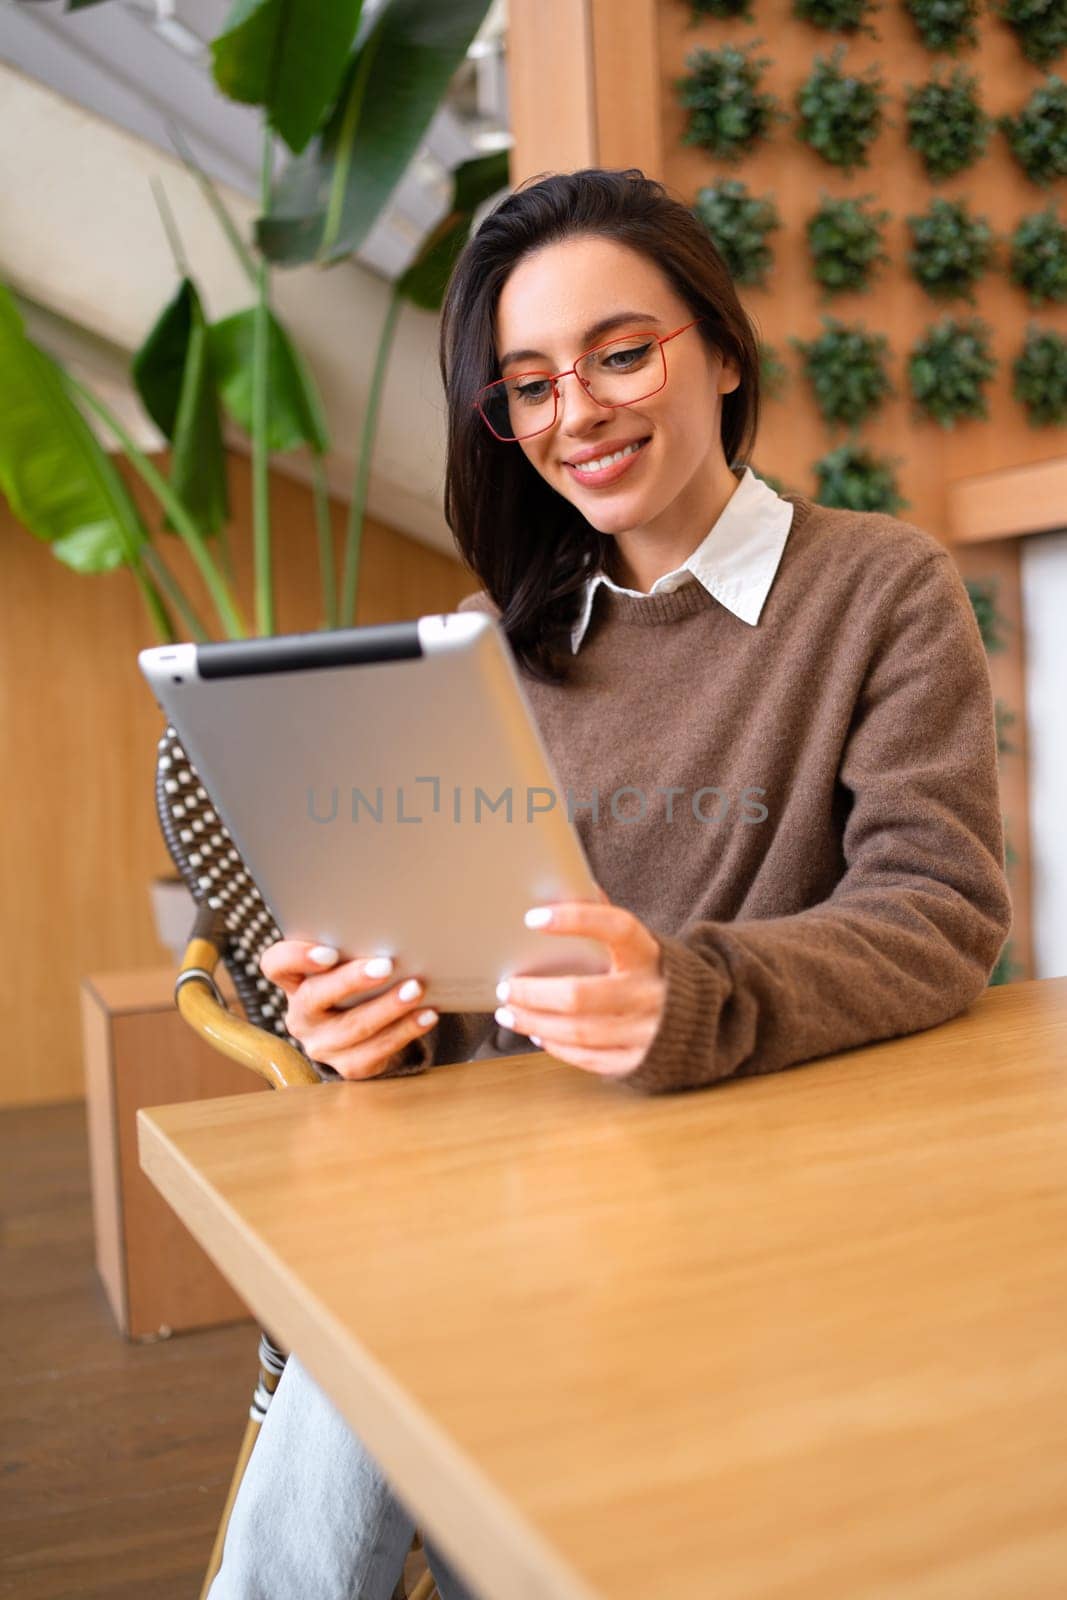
(415, 1057)
(682, 1053)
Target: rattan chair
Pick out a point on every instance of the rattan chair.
(233, 925)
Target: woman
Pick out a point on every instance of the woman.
(773, 722)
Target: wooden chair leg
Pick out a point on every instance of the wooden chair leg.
(271, 1366)
(416, 1581)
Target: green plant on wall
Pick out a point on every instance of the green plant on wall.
(854, 477)
(1040, 26)
(982, 593)
(840, 114)
(946, 125)
(739, 224)
(773, 373)
(845, 240)
(351, 147)
(847, 368)
(949, 368)
(1039, 375)
(1007, 970)
(1004, 719)
(950, 250)
(945, 25)
(1038, 260)
(837, 16)
(729, 114)
(1011, 855)
(1037, 135)
(721, 10)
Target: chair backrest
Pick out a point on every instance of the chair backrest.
(212, 869)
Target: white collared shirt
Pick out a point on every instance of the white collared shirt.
(736, 562)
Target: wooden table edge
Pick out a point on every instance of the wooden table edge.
(447, 1494)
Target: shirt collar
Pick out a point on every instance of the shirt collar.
(736, 562)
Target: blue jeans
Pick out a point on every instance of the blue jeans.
(314, 1518)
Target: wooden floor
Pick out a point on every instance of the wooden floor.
(115, 1457)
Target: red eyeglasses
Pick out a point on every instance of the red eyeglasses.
(619, 373)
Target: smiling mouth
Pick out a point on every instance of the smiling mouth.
(604, 464)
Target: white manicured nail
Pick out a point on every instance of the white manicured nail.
(503, 989)
(426, 1017)
(379, 967)
(505, 1017)
(535, 1040)
(323, 954)
(410, 990)
(539, 917)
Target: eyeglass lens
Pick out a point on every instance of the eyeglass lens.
(618, 374)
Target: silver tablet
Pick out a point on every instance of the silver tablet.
(390, 793)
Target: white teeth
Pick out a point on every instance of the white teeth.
(608, 461)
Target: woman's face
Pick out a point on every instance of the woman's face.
(550, 304)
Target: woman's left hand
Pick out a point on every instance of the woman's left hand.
(602, 1023)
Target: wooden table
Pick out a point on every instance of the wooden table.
(800, 1336)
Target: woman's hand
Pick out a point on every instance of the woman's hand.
(362, 1040)
(603, 1023)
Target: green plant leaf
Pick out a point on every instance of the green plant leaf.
(198, 459)
(1037, 137)
(1039, 256)
(729, 115)
(854, 477)
(739, 224)
(158, 367)
(294, 409)
(947, 25)
(1039, 375)
(56, 476)
(287, 56)
(174, 377)
(326, 202)
(473, 182)
(91, 549)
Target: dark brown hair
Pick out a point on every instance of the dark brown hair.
(530, 548)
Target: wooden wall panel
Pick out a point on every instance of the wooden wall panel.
(79, 840)
(999, 560)
(793, 434)
(1009, 503)
(550, 87)
(931, 459)
(627, 90)
(639, 50)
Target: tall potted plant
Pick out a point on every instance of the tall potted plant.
(351, 145)
(352, 108)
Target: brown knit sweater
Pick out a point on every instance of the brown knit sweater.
(840, 878)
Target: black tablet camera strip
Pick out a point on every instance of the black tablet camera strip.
(298, 652)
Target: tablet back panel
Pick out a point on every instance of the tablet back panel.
(390, 794)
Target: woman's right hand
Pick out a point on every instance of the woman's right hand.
(362, 1040)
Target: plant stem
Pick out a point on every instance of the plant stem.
(207, 188)
(157, 610)
(260, 379)
(324, 528)
(225, 604)
(366, 449)
(227, 554)
(171, 588)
